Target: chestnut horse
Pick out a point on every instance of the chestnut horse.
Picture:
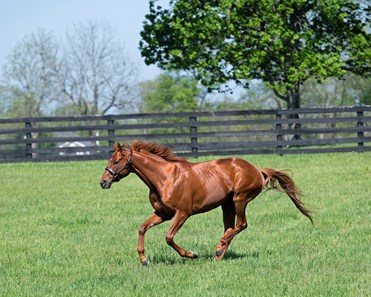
(179, 189)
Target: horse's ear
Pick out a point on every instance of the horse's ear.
(117, 146)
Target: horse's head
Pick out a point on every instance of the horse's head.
(119, 166)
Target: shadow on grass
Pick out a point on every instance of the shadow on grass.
(175, 260)
(231, 255)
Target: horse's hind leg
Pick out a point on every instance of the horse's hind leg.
(178, 221)
(229, 217)
(240, 202)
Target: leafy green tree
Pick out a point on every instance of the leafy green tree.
(170, 92)
(284, 43)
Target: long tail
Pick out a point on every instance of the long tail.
(286, 185)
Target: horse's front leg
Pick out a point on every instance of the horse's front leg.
(178, 221)
(152, 221)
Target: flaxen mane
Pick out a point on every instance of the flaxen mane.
(156, 149)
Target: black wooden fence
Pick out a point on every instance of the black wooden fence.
(189, 134)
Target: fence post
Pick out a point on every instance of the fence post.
(28, 136)
(193, 134)
(278, 134)
(360, 133)
(111, 133)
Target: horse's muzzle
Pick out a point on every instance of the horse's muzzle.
(105, 184)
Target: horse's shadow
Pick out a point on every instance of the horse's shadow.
(229, 256)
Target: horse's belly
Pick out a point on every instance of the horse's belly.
(211, 191)
(210, 199)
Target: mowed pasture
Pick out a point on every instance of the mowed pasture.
(62, 235)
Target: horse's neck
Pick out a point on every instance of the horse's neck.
(150, 169)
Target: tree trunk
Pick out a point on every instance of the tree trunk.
(292, 98)
(294, 103)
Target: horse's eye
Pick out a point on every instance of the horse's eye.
(116, 162)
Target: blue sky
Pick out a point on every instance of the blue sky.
(19, 18)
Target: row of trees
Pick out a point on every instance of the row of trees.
(174, 91)
(284, 53)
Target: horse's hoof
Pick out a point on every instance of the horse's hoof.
(193, 255)
(145, 262)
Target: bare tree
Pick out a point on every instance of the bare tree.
(30, 77)
(97, 75)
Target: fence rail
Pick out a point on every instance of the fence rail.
(295, 131)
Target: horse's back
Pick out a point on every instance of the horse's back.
(228, 165)
(246, 176)
(233, 174)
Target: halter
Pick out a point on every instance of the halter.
(127, 166)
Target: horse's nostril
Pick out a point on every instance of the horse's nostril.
(105, 184)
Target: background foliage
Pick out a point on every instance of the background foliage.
(88, 73)
(282, 43)
(301, 52)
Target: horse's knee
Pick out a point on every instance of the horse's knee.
(142, 229)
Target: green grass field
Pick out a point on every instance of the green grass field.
(62, 235)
